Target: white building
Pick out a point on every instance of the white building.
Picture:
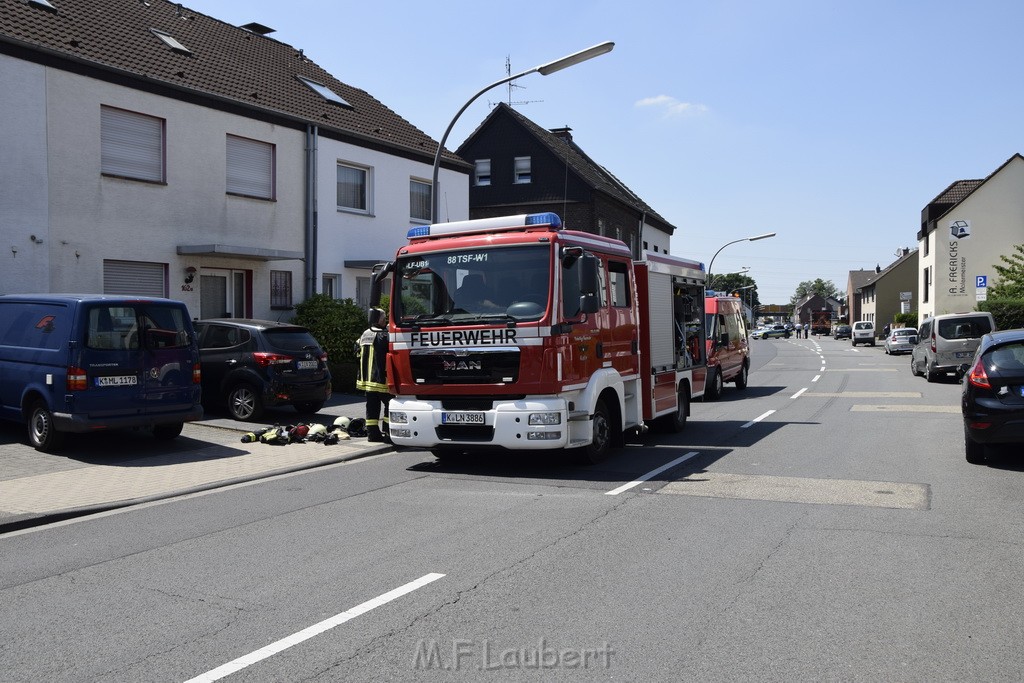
(148, 149)
(964, 230)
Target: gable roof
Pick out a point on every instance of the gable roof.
(953, 196)
(873, 277)
(221, 66)
(593, 174)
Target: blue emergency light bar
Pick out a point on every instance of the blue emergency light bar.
(486, 225)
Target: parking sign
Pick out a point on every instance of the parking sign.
(981, 281)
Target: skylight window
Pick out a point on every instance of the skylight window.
(43, 4)
(325, 92)
(171, 42)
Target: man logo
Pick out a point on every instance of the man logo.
(462, 365)
(958, 230)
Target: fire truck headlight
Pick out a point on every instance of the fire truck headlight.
(544, 436)
(398, 418)
(545, 418)
(400, 433)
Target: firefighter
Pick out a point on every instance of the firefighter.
(372, 377)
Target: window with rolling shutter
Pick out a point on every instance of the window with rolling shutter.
(131, 145)
(250, 165)
(134, 278)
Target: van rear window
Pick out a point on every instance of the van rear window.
(152, 326)
(964, 328)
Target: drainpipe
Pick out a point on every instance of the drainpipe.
(310, 213)
(640, 237)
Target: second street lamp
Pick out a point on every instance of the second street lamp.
(743, 239)
(543, 70)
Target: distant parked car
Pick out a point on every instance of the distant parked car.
(842, 332)
(901, 340)
(992, 399)
(775, 331)
(249, 365)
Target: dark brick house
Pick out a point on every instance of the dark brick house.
(521, 167)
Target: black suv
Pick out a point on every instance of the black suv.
(249, 365)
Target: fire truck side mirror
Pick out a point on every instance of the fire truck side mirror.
(376, 318)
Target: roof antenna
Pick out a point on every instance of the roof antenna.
(510, 86)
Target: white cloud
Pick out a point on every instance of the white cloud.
(671, 106)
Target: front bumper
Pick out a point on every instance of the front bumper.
(419, 423)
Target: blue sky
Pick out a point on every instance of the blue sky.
(830, 123)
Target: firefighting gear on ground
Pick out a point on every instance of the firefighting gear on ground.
(343, 429)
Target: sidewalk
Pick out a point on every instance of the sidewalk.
(113, 469)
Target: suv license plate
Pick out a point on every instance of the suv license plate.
(462, 418)
(306, 364)
(116, 380)
(963, 354)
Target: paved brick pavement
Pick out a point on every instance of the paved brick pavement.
(111, 469)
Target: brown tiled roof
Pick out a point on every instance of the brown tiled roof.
(595, 175)
(113, 39)
(956, 192)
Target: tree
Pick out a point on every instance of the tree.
(823, 288)
(1010, 284)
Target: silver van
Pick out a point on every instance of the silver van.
(945, 342)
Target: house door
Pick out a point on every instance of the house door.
(223, 293)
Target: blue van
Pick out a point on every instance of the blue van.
(83, 362)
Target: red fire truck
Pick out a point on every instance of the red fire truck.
(514, 333)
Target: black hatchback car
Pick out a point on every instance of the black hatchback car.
(249, 365)
(992, 400)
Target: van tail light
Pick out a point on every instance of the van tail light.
(933, 342)
(76, 379)
(978, 377)
(197, 374)
(264, 359)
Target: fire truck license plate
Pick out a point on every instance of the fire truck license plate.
(462, 418)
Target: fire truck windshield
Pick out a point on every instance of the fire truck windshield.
(473, 286)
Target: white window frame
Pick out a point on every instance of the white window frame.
(132, 145)
(482, 172)
(250, 167)
(330, 284)
(367, 188)
(521, 170)
(420, 198)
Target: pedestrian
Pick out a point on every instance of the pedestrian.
(807, 328)
(372, 376)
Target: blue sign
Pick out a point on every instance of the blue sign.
(981, 281)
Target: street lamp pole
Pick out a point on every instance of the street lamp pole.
(743, 239)
(543, 70)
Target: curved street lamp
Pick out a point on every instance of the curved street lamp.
(744, 239)
(543, 70)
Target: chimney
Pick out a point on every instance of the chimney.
(878, 269)
(564, 133)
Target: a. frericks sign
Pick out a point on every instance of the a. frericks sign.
(957, 279)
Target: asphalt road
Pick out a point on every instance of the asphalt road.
(821, 525)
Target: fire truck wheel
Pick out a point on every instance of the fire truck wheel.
(597, 450)
(713, 390)
(741, 379)
(676, 422)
